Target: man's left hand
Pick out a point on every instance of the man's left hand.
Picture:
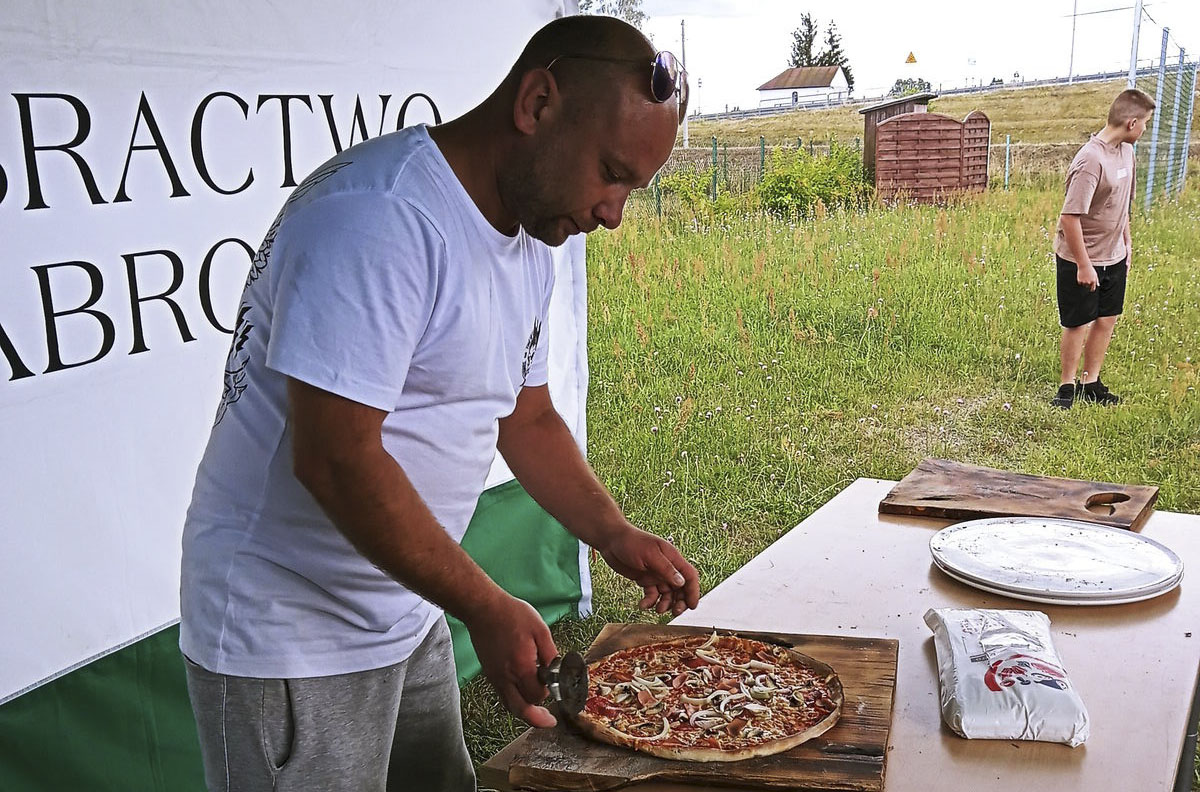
(670, 582)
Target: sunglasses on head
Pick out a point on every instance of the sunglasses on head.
(667, 77)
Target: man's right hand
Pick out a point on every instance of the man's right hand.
(1085, 275)
(510, 640)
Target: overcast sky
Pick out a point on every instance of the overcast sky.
(733, 46)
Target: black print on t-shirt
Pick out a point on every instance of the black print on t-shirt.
(530, 348)
(235, 365)
(263, 257)
(239, 356)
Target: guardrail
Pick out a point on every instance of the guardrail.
(864, 100)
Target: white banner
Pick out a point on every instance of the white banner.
(144, 149)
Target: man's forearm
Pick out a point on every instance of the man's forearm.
(544, 457)
(372, 502)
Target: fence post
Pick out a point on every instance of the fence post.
(725, 164)
(714, 169)
(762, 156)
(1162, 71)
(657, 196)
(1007, 158)
(1174, 126)
(799, 143)
(811, 149)
(1187, 135)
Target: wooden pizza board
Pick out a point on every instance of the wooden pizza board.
(941, 488)
(850, 757)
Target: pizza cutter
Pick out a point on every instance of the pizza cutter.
(567, 678)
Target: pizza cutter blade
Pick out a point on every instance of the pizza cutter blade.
(567, 678)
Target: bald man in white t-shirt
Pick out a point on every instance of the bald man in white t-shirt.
(391, 338)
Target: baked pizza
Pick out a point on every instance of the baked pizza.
(720, 698)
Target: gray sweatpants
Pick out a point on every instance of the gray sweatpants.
(386, 730)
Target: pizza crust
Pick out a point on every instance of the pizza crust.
(591, 726)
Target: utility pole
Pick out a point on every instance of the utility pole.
(1137, 31)
(1071, 62)
(683, 65)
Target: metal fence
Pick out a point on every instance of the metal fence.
(1162, 153)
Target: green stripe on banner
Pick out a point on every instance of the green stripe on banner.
(527, 552)
(120, 724)
(123, 723)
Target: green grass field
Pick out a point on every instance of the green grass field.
(744, 369)
(1047, 114)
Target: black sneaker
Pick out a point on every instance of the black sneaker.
(1097, 393)
(1065, 397)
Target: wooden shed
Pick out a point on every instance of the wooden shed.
(913, 103)
(926, 156)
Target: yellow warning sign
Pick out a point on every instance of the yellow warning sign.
(911, 58)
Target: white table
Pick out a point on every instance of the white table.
(848, 570)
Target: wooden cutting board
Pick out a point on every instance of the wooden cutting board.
(850, 757)
(941, 488)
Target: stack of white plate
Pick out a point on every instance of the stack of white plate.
(1058, 562)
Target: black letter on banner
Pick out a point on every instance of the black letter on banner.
(198, 142)
(19, 369)
(106, 324)
(159, 145)
(289, 180)
(139, 340)
(383, 103)
(437, 117)
(358, 122)
(206, 282)
(3, 184)
(36, 200)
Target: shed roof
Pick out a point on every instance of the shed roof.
(802, 77)
(918, 98)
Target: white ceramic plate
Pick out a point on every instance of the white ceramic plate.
(1060, 561)
(1052, 600)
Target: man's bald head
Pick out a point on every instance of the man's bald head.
(571, 42)
(573, 128)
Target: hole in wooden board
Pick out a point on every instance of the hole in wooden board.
(1101, 502)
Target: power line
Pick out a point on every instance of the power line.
(1106, 11)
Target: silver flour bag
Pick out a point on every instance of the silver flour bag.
(1001, 678)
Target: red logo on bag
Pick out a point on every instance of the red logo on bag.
(1024, 670)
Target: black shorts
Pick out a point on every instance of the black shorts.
(1078, 305)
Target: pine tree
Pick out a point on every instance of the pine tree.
(804, 39)
(833, 55)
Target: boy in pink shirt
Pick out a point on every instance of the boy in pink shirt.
(1093, 249)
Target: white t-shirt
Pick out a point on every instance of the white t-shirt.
(380, 281)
